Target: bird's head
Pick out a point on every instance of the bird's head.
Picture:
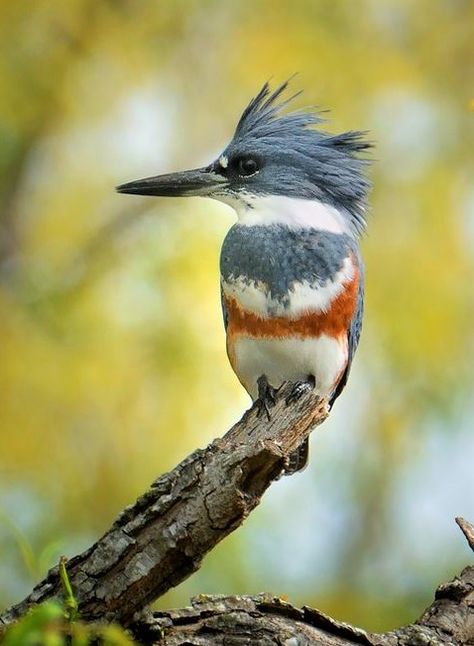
(277, 159)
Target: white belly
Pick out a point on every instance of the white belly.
(290, 359)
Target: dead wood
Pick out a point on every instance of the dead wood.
(162, 538)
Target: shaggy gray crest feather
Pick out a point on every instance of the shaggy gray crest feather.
(307, 162)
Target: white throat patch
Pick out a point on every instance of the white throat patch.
(254, 210)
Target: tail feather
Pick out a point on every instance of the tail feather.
(298, 460)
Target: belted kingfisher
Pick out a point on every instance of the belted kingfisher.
(292, 277)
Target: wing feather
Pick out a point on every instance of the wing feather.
(353, 335)
(225, 314)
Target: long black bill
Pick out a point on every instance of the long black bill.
(201, 181)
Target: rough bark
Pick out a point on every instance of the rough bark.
(162, 538)
(264, 620)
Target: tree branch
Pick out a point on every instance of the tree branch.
(161, 539)
(468, 531)
(264, 620)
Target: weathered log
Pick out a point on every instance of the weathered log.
(162, 538)
(264, 620)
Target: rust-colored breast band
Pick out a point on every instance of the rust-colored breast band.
(334, 322)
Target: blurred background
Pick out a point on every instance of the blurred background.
(113, 363)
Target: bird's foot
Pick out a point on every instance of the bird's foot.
(266, 397)
(299, 389)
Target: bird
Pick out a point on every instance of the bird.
(291, 270)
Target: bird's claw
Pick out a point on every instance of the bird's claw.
(299, 389)
(266, 397)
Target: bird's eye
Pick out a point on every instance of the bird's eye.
(247, 166)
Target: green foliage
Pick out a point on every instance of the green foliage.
(57, 624)
(44, 624)
(47, 625)
(69, 601)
